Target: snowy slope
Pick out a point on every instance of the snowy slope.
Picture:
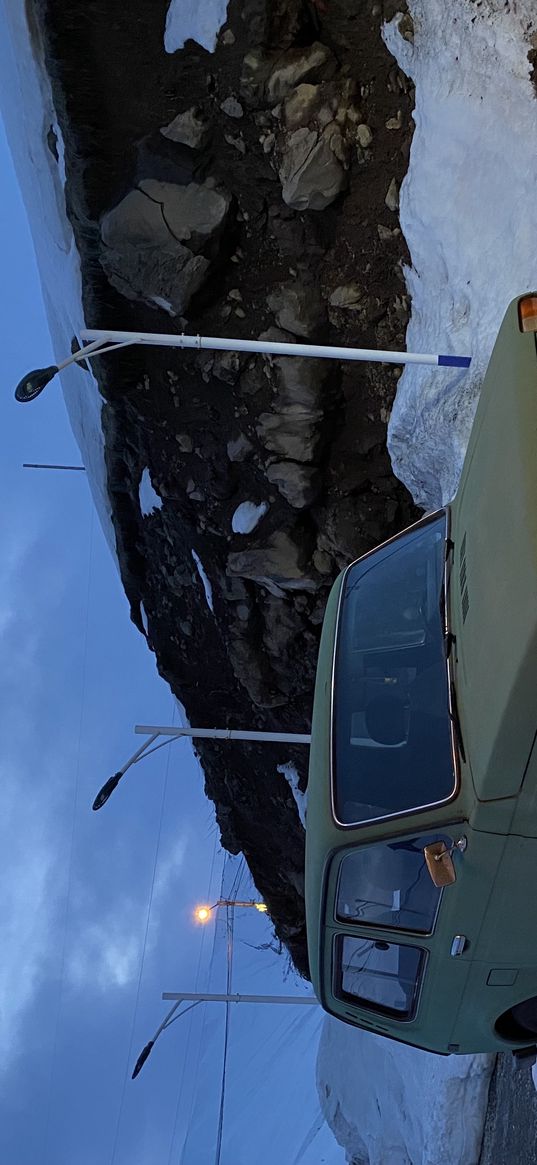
(29, 115)
(468, 213)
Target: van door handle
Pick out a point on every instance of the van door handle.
(458, 945)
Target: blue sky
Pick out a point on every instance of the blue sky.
(84, 957)
(75, 678)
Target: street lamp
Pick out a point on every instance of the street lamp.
(203, 913)
(153, 731)
(100, 342)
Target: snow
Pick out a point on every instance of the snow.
(206, 583)
(247, 516)
(468, 214)
(190, 20)
(28, 114)
(301, 799)
(150, 500)
(394, 1105)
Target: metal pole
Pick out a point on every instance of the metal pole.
(270, 348)
(300, 1000)
(31, 465)
(224, 734)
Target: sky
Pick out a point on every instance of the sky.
(96, 909)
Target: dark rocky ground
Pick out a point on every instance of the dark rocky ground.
(298, 144)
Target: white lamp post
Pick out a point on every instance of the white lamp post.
(99, 342)
(171, 733)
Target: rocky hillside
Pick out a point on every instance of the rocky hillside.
(249, 192)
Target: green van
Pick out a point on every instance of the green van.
(421, 839)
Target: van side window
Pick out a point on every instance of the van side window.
(388, 884)
(381, 975)
(391, 732)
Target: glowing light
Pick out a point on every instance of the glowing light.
(203, 913)
(261, 907)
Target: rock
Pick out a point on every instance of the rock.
(348, 528)
(194, 213)
(392, 196)
(300, 106)
(185, 442)
(364, 136)
(384, 233)
(348, 296)
(226, 367)
(143, 252)
(238, 143)
(189, 128)
(232, 107)
(240, 448)
(169, 273)
(252, 670)
(322, 562)
(228, 37)
(298, 484)
(291, 435)
(310, 64)
(310, 171)
(280, 564)
(395, 122)
(298, 309)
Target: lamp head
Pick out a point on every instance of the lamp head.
(34, 382)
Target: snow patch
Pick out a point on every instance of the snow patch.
(394, 1105)
(247, 516)
(150, 500)
(192, 20)
(206, 584)
(301, 799)
(29, 115)
(469, 215)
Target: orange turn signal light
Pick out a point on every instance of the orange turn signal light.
(527, 313)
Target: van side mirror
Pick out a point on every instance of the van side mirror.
(440, 863)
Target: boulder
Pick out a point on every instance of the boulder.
(279, 564)
(293, 435)
(298, 309)
(309, 64)
(300, 106)
(161, 275)
(144, 254)
(194, 213)
(310, 170)
(298, 484)
(189, 128)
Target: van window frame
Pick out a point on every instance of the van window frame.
(427, 807)
(385, 839)
(370, 1005)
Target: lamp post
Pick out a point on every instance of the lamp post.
(203, 913)
(154, 731)
(99, 342)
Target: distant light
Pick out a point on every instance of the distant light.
(203, 913)
(261, 907)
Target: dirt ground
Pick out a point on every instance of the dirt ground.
(510, 1136)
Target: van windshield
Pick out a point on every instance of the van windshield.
(391, 731)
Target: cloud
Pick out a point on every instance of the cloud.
(28, 861)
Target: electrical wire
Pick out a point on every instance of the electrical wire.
(230, 917)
